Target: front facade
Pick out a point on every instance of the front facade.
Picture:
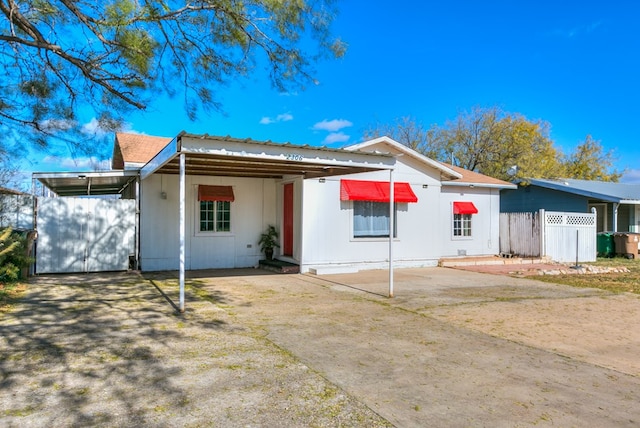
(207, 200)
(326, 224)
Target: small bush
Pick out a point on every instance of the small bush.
(13, 255)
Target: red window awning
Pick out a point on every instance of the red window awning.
(215, 193)
(464, 208)
(375, 191)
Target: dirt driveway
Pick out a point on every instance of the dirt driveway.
(452, 348)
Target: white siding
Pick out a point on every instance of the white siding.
(253, 209)
(328, 228)
(84, 234)
(485, 226)
(16, 211)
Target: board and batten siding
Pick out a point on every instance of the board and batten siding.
(252, 211)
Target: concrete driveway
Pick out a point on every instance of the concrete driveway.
(452, 348)
(418, 360)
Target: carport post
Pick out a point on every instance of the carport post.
(391, 229)
(182, 227)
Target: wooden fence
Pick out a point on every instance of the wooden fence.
(520, 234)
(562, 236)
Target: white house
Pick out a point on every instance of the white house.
(325, 222)
(203, 202)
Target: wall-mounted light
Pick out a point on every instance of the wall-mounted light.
(471, 186)
(424, 186)
(322, 180)
(82, 177)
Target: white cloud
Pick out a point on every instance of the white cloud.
(81, 163)
(336, 137)
(631, 176)
(284, 117)
(93, 128)
(332, 125)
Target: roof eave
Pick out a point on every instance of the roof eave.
(485, 185)
(408, 151)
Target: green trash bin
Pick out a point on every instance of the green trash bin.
(605, 244)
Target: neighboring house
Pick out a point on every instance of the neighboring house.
(617, 204)
(214, 196)
(16, 209)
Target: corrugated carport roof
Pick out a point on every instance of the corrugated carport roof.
(86, 183)
(223, 156)
(233, 157)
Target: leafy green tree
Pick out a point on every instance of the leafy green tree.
(589, 161)
(485, 140)
(60, 57)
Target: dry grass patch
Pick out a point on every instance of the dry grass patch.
(619, 282)
(10, 294)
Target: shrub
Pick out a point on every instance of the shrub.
(13, 257)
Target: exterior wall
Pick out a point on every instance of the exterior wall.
(17, 211)
(485, 225)
(253, 209)
(534, 198)
(328, 223)
(635, 226)
(624, 217)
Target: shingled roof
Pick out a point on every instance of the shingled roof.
(135, 149)
(471, 177)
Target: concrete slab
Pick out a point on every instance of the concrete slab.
(409, 362)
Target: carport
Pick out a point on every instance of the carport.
(204, 155)
(190, 154)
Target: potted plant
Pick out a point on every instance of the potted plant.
(268, 241)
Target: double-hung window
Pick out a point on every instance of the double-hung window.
(462, 219)
(462, 225)
(215, 208)
(215, 216)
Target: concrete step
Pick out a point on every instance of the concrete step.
(279, 266)
(490, 260)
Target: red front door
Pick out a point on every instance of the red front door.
(287, 220)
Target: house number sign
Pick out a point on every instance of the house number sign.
(293, 157)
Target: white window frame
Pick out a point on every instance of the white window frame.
(374, 238)
(464, 219)
(196, 217)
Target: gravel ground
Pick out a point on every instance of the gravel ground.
(109, 350)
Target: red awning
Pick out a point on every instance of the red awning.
(375, 191)
(215, 193)
(464, 208)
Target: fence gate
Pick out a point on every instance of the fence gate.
(84, 234)
(570, 237)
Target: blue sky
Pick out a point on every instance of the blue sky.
(574, 64)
